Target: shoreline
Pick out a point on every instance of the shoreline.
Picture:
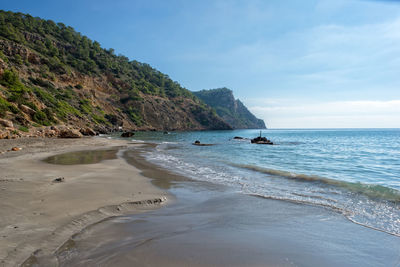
(213, 225)
(209, 225)
(39, 216)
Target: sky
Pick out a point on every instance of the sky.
(293, 63)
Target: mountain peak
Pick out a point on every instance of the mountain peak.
(231, 110)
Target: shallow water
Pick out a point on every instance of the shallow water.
(82, 157)
(214, 222)
(355, 172)
(210, 225)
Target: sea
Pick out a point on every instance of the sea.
(355, 172)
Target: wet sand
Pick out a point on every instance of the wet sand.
(209, 225)
(38, 215)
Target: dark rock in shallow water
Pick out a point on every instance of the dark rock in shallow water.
(238, 137)
(127, 134)
(261, 140)
(197, 143)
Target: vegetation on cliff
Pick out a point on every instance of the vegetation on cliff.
(50, 74)
(230, 109)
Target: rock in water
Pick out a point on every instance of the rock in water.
(197, 143)
(261, 140)
(127, 134)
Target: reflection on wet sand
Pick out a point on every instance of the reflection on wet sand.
(82, 157)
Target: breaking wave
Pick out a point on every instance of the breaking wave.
(370, 190)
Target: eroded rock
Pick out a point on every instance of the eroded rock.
(69, 133)
(6, 123)
(87, 131)
(27, 110)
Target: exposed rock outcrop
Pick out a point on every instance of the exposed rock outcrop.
(231, 110)
(27, 110)
(69, 133)
(6, 123)
(87, 131)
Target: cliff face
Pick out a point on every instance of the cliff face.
(52, 75)
(230, 110)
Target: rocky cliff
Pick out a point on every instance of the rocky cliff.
(51, 75)
(230, 109)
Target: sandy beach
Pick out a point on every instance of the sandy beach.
(39, 215)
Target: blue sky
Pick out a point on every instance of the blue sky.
(296, 64)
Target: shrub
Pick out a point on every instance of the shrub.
(3, 57)
(23, 129)
(4, 107)
(11, 80)
(41, 118)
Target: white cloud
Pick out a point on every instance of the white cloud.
(318, 59)
(338, 114)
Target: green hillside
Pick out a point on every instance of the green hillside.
(52, 75)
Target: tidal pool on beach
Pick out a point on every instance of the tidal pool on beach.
(82, 157)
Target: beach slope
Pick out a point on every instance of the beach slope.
(38, 215)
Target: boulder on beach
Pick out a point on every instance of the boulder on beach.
(3, 134)
(69, 133)
(87, 131)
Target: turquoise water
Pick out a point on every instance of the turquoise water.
(353, 171)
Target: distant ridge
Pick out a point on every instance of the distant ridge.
(231, 110)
